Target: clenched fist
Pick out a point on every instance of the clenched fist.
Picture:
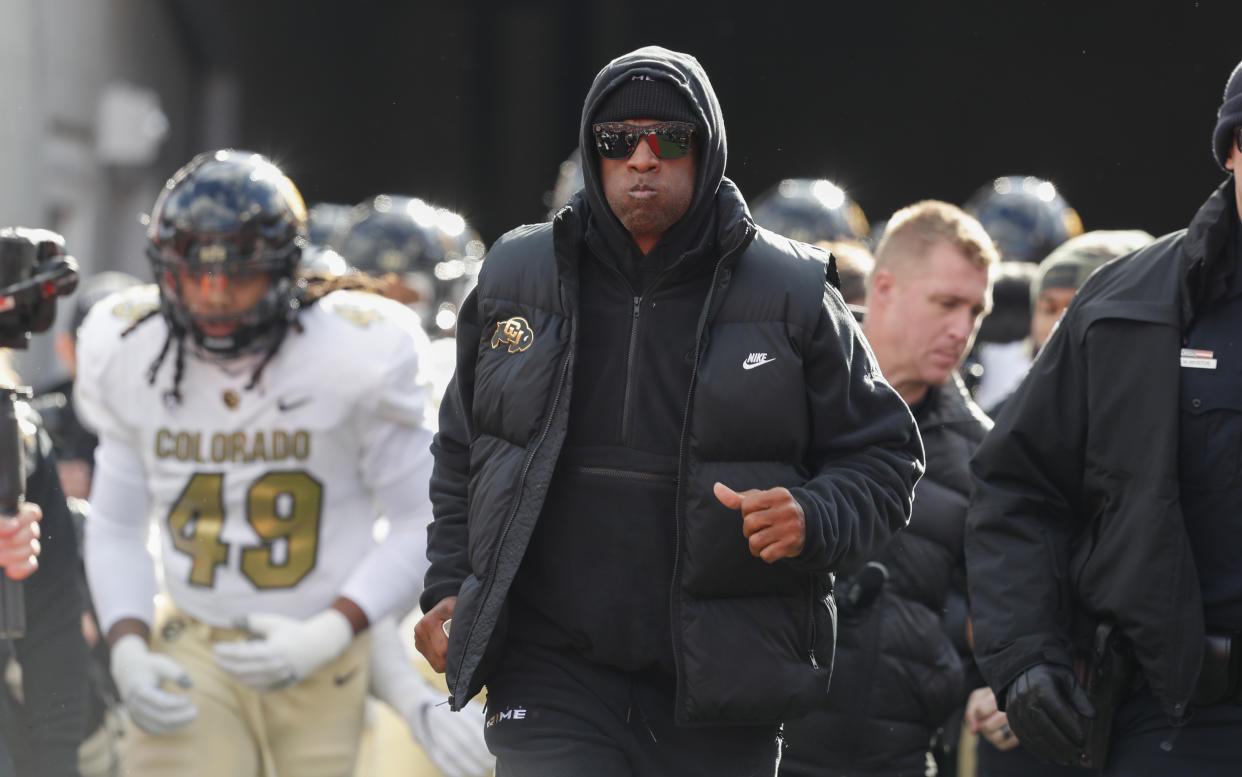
(772, 520)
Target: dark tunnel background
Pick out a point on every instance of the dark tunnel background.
(473, 105)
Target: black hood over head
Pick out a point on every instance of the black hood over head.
(688, 76)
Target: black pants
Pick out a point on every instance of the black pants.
(1146, 745)
(551, 713)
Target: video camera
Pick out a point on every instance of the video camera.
(34, 271)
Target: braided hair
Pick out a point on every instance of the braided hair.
(309, 288)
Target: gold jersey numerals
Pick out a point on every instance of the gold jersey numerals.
(283, 508)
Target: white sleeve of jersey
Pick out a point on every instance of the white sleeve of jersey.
(396, 465)
(119, 568)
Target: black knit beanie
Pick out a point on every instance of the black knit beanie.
(1229, 117)
(645, 97)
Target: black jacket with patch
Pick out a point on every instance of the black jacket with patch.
(529, 429)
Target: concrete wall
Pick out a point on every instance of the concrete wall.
(57, 58)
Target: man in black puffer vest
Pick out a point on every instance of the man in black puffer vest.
(898, 673)
(664, 433)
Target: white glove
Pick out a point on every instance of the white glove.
(453, 741)
(286, 650)
(139, 673)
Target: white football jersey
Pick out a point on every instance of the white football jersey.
(265, 497)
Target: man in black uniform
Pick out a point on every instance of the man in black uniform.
(1109, 497)
(630, 377)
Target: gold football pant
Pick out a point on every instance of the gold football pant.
(311, 729)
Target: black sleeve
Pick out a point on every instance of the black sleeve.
(867, 455)
(1027, 479)
(53, 653)
(447, 533)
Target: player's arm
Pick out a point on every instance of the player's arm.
(121, 575)
(395, 464)
(119, 568)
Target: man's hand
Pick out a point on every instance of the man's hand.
(19, 541)
(430, 635)
(139, 676)
(987, 721)
(1044, 705)
(772, 520)
(286, 649)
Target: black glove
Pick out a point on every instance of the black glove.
(1044, 705)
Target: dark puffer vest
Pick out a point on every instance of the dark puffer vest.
(752, 642)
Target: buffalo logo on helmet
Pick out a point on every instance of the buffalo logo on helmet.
(213, 254)
(514, 332)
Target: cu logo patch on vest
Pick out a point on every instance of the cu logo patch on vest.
(515, 333)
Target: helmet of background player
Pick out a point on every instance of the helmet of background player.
(1026, 216)
(810, 210)
(568, 183)
(432, 251)
(326, 223)
(224, 216)
(460, 271)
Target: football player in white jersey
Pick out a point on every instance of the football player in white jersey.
(260, 423)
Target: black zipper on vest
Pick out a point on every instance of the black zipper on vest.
(674, 601)
(629, 371)
(504, 532)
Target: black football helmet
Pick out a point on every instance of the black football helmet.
(433, 251)
(326, 222)
(810, 210)
(1026, 216)
(225, 215)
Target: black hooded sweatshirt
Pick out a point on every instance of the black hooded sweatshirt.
(597, 573)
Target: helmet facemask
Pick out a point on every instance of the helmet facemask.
(253, 329)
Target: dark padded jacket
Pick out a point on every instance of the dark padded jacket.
(898, 674)
(752, 642)
(1076, 515)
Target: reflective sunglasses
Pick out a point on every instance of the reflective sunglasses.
(668, 139)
